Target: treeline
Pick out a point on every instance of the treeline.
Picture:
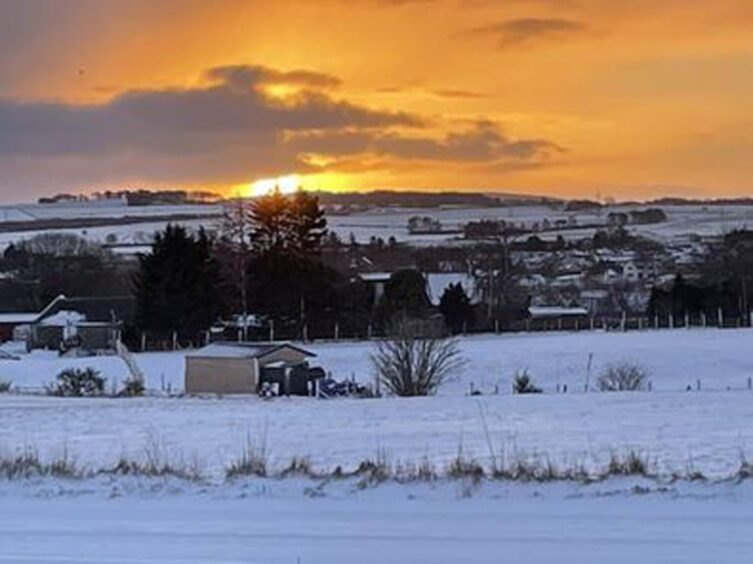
(35, 271)
(138, 197)
(268, 264)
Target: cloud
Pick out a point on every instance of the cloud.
(226, 130)
(250, 76)
(230, 130)
(526, 30)
(484, 142)
(452, 93)
(231, 111)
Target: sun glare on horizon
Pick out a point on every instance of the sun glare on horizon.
(286, 184)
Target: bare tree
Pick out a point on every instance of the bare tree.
(408, 365)
(237, 231)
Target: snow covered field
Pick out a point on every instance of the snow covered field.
(118, 520)
(385, 223)
(675, 359)
(711, 428)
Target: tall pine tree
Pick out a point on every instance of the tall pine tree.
(177, 284)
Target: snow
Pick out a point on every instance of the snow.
(674, 360)
(119, 520)
(276, 524)
(63, 318)
(18, 318)
(682, 221)
(555, 311)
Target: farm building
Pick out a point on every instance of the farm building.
(88, 324)
(244, 368)
(10, 323)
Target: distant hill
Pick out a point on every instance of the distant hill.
(416, 199)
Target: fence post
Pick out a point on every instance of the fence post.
(640, 323)
(592, 323)
(656, 321)
(175, 340)
(143, 341)
(271, 330)
(496, 325)
(305, 333)
(720, 317)
(750, 383)
(337, 331)
(687, 320)
(369, 331)
(703, 319)
(698, 385)
(671, 320)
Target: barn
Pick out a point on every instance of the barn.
(242, 368)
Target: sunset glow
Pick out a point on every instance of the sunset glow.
(628, 100)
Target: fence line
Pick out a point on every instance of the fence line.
(334, 331)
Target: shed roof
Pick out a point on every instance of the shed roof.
(556, 311)
(222, 349)
(17, 318)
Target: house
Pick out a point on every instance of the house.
(92, 324)
(244, 368)
(10, 324)
(377, 281)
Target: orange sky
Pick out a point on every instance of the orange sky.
(625, 98)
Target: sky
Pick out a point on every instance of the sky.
(629, 99)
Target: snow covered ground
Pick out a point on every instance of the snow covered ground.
(119, 520)
(431, 525)
(675, 359)
(385, 223)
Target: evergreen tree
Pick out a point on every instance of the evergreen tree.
(177, 284)
(404, 296)
(456, 308)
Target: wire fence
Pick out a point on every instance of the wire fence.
(335, 330)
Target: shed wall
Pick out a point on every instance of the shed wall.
(220, 376)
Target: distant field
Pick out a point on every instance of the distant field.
(384, 223)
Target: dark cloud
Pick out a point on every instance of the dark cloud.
(484, 142)
(525, 30)
(232, 111)
(230, 130)
(250, 76)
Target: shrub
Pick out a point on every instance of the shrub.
(5, 386)
(624, 377)
(408, 365)
(523, 384)
(74, 382)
